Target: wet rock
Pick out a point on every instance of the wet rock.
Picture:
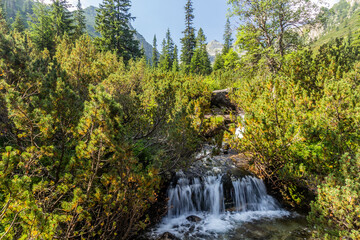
(168, 236)
(220, 99)
(193, 218)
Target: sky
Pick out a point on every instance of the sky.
(156, 16)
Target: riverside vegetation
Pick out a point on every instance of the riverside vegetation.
(89, 128)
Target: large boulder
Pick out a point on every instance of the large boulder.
(220, 99)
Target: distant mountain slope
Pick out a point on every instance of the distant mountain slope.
(214, 47)
(339, 21)
(90, 14)
(25, 8)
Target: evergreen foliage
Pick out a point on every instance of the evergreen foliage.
(228, 40)
(3, 23)
(300, 130)
(19, 24)
(154, 58)
(188, 42)
(85, 138)
(61, 18)
(175, 64)
(41, 28)
(167, 55)
(79, 21)
(200, 62)
(112, 22)
(218, 62)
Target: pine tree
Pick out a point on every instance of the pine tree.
(227, 38)
(41, 29)
(154, 59)
(19, 24)
(112, 22)
(61, 17)
(200, 62)
(79, 19)
(188, 41)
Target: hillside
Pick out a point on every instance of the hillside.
(25, 8)
(339, 21)
(90, 14)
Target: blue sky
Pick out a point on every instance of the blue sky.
(156, 16)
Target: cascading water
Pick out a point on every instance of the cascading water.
(205, 198)
(250, 195)
(191, 196)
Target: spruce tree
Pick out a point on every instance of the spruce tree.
(19, 24)
(79, 19)
(200, 62)
(165, 58)
(167, 55)
(154, 59)
(113, 23)
(175, 64)
(41, 29)
(170, 46)
(227, 38)
(61, 17)
(188, 41)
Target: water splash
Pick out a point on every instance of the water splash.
(251, 195)
(204, 197)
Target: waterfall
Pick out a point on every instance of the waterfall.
(250, 195)
(189, 196)
(213, 207)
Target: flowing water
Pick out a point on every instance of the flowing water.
(214, 199)
(242, 211)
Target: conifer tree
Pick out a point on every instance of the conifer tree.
(28, 7)
(188, 41)
(227, 37)
(218, 62)
(175, 65)
(19, 24)
(219, 58)
(154, 59)
(112, 22)
(167, 55)
(41, 29)
(165, 58)
(3, 24)
(79, 19)
(170, 46)
(61, 17)
(200, 62)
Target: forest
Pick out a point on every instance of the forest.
(91, 129)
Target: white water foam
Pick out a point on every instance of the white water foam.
(204, 198)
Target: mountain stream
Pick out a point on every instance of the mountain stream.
(222, 202)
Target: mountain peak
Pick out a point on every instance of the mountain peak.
(214, 47)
